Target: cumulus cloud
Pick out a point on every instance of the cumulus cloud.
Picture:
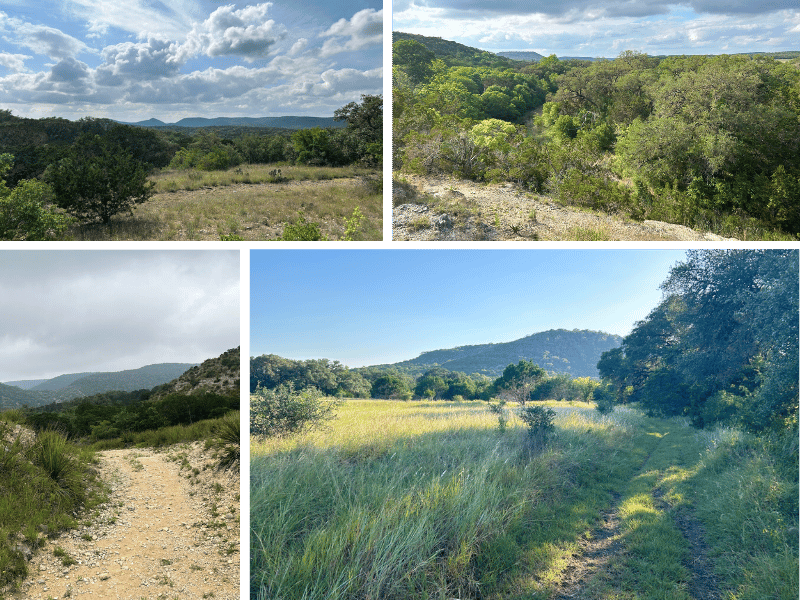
(125, 62)
(13, 62)
(246, 33)
(44, 40)
(364, 29)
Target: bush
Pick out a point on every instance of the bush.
(284, 411)
(604, 397)
(540, 425)
(302, 231)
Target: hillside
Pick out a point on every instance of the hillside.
(77, 385)
(454, 53)
(573, 352)
(220, 375)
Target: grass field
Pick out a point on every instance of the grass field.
(437, 500)
(252, 202)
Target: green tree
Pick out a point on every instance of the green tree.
(363, 136)
(99, 179)
(518, 381)
(414, 58)
(26, 212)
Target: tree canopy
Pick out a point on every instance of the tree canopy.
(723, 344)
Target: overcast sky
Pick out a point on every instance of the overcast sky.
(608, 27)
(138, 59)
(75, 311)
(365, 307)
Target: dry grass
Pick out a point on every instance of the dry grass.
(225, 204)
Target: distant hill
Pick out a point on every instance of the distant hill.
(25, 384)
(77, 385)
(220, 375)
(273, 122)
(573, 352)
(521, 55)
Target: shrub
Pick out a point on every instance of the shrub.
(302, 231)
(540, 424)
(284, 411)
(604, 397)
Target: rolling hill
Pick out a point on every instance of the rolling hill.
(573, 352)
(275, 122)
(76, 385)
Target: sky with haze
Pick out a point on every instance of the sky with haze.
(605, 28)
(366, 307)
(138, 59)
(72, 311)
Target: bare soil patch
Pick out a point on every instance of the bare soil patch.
(448, 209)
(170, 530)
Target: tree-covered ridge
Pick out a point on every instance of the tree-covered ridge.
(75, 385)
(721, 347)
(712, 142)
(572, 352)
(453, 53)
(204, 391)
(220, 375)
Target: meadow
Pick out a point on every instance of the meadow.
(249, 202)
(447, 500)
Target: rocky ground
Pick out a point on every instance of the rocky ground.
(170, 530)
(447, 209)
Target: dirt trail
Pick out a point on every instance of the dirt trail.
(602, 549)
(170, 530)
(449, 209)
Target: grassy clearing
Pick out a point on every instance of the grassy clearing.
(432, 500)
(252, 205)
(171, 180)
(44, 481)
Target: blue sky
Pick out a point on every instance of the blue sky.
(67, 311)
(608, 27)
(365, 307)
(138, 59)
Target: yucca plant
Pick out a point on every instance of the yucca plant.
(227, 440)
(54, 455)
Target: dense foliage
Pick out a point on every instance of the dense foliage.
(721, 347)
(284, 411)
(524, 381)
(708, 142)
(120, 414)
(27, 211)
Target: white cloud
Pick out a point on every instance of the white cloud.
(298, 47)
(14, 62)
(246, 33)
(125, 62)
(363, 30)
(44, 40)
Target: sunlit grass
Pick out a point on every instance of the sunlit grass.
(211, 205)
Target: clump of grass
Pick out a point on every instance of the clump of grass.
(227, 440)
(44, 484)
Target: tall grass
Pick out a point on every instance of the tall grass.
(745, 491)
(436, 500)
(43, 485)
(413, 500)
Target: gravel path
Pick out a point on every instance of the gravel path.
(447, 209)
(170, 530)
